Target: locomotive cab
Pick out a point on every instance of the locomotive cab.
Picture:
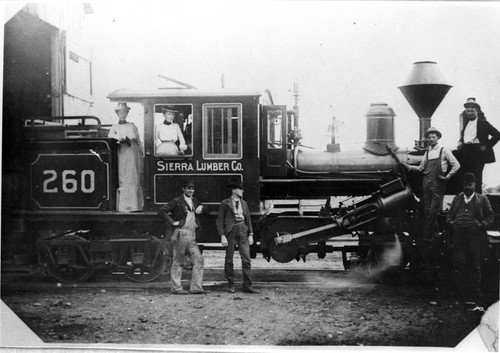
(219, 143)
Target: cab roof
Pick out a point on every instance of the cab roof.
(139, 96)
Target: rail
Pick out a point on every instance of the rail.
(54, 120)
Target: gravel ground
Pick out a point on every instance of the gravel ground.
(327, 308)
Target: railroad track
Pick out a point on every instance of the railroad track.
(213, 278)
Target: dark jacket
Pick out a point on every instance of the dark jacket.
(484, 131)
(481, 207)
(226, 217)
(176, 210)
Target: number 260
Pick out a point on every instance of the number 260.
(69, 181)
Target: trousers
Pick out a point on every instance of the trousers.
(238, 235)
(470, 250)
(471, 161)
(182, 241)
(433, 194)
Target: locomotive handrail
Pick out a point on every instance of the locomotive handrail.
(63, 234)
(62, 118)
(400, 165)
(361, 175)
(131, 240)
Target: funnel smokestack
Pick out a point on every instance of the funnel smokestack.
(424, 89)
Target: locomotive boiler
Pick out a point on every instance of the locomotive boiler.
(63, 207)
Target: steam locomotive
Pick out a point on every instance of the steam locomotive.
(65, 205)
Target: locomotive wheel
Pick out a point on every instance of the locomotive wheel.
(284, 252)
(155, 263)
(77, 270)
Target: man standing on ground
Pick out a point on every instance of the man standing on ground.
(180, 216)
(434, 166)
(234, 226)
(469, 216)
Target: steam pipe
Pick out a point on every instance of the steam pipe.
(296, 105)
(424, 125)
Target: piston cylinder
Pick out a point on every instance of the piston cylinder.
(379, 129)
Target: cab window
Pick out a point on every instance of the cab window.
(173, 130)
(274, 128)
(222, 131)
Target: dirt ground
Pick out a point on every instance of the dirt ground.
(317, 308)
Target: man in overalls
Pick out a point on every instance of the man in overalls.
(180, 216)
(437, 167)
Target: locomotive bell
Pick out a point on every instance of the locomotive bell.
(424, 89)
(379, 129)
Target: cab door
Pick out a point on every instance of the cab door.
(273, 142)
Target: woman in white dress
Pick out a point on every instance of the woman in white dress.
(129, 196)
(167, 134)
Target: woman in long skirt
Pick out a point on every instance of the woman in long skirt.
(129, 196)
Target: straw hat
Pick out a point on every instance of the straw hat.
(121, 106)
(471, 102)
(434, 131)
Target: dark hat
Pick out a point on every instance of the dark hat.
(235, 184)
(433, 130)
(121, 106)
(188, 183)
(469, 178)
(471, 102)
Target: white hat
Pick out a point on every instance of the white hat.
(471, 102)
(121, 106)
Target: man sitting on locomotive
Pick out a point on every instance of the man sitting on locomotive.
(168, 135)
(469, 216)
(434, 166)
(180, 216)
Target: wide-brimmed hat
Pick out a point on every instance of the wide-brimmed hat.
(121, 106)
(469, 178)
(235, 184)
(168, 110)
(471, 102)
(434, 131)
(187, 183)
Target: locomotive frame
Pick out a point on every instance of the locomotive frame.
(70, 173)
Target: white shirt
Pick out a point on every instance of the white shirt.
(433, 152)
(189, 202)
(239, 209)
(448, 159)
(169, 133)
(467, 199)
(470, 132)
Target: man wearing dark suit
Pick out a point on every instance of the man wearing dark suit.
(475, 148)
(180, 216)
(469, 216)
(234, 226)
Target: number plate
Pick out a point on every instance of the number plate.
(69, 181)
